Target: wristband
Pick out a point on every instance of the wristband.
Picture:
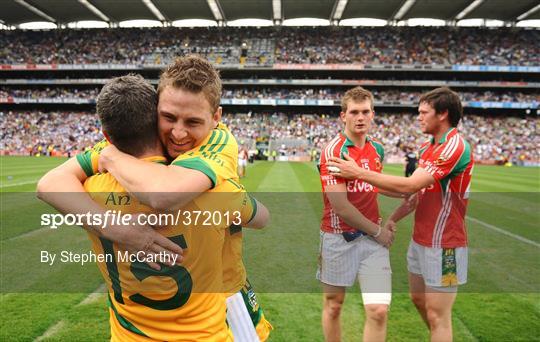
(378, 232)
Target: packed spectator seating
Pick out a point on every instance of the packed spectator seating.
(52, 92)
(492, 138)
(387, 94)
(53, 133)
(269, 45)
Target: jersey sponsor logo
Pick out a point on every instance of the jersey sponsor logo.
(359, 186)
(214, 156)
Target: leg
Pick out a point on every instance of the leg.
(417, 291)
(376, 286)
(375, 324)
(439, 314)
(332, 303)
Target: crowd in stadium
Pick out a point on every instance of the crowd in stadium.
(285, 93)
(54, 92)
(51, 133)
(321, 45)
(492, 138)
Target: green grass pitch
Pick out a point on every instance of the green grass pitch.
(501, 302)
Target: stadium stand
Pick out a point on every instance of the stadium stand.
(265, 46)
(494, 139)
(287, 79)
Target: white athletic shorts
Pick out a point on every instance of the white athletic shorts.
(239, 319)
(242, 162)
(342, 262)
(443, 269)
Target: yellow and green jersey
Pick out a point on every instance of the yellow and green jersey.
(176, 303)
(217, 158)
(219, 151)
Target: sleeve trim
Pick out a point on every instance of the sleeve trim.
(199, 165)
(254, 205)
(85, 162)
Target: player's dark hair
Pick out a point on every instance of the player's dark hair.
(443, 99)
(194, 74)
(127, 108)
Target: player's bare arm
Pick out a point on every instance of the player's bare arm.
(408, 185)
(407, 206)
(337, 195)
(261, 218)
(171, 187)
(68, 178)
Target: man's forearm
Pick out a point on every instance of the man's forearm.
(166, 189)
(66, 194)
(388, 182)
(400, 212)
(354, 218)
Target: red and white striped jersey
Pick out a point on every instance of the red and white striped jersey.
(362, 195)
(440, 214)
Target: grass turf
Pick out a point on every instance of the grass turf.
(500, 303)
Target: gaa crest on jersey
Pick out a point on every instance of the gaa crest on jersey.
(378, 165)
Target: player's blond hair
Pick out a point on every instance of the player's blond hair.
(356, 94)
(194, 74)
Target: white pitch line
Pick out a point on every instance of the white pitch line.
(17, 184)
(504, 232)
(465, 328)
(53, 330)
(94, 296)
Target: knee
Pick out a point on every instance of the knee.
(332, 306)
(377, 313)
(434, 317)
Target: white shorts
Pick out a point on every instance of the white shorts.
(442, 268)
(242, 162)
(239, 319)
(342, 262)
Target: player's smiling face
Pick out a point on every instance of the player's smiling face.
(184, 119)
(357, 118)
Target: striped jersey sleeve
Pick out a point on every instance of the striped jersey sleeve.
(216, 157)
(88, 160)
(451, 158)
(333, 149)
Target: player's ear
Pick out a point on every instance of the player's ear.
(342, 116)
(106, 137)
(443, 116)
(217, 115)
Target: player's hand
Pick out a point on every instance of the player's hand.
(410, 201)
(106, 156)
(344, 168)
(391, 226)
(136, 238)
(386, 238)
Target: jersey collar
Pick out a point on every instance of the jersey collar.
(156, 159)
(446, 135)
(348, 142)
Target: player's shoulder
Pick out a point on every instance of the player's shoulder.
(333, 148)
(425, 144)
(377, 145)
(220, 140)
(454, 144)
(102, 182)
